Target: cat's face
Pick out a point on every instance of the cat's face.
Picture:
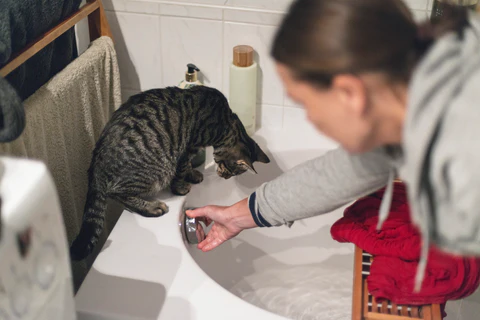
(238, 159)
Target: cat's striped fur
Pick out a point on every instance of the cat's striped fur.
(148, 145)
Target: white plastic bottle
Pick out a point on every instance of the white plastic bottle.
(243, 86)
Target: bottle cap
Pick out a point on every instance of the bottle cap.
(243, 56)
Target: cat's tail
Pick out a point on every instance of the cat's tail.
(92, 226)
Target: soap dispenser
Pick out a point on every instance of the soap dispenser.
(191, 77)
(243, 86)
(191, 80)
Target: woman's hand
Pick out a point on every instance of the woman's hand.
(228, 222)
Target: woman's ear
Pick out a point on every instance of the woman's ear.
(351, 92)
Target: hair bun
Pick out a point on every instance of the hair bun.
(454, 19)
(424, 37)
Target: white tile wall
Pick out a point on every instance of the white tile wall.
(83, 37)
(270, 116)
(295, 119)
(186, 40)
(149, 7)
(138, 45)
(191, 11)
(292, 117)
(290, 103)
(155, 39)
(142, 7)
(420, 15)
(206, 2)
(417, 4)
(278, 5)
(253, 16)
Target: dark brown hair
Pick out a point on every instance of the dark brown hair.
(321, 38)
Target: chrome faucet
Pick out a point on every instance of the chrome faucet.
(193, 229)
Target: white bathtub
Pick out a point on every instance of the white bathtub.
(148, 271)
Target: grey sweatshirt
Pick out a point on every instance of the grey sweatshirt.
(439, 159)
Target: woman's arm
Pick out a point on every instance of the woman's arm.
(312, 188)
(319, 186)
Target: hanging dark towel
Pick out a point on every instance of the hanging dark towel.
(12, 114)
(21, 22)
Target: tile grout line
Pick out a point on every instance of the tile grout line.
(195, 18)
(223, 50)
(283, 117)
(161, 44)
(459, 310)
(229, 7)
(225, 6)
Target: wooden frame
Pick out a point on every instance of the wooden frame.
(364, 306)
(98, 26)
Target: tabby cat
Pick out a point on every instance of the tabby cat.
(148, 145)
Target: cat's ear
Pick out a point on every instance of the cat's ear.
(247, 163)
(259, 155)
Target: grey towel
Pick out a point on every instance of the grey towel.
(64, 120)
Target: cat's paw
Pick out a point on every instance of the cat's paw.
(180, 188)
(194, 177)
(158, 208)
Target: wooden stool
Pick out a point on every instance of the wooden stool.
(364, 306)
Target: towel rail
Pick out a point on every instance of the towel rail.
(98, 26)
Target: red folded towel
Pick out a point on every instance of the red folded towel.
(396, 251)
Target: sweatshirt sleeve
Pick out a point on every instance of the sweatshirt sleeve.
(319, 186)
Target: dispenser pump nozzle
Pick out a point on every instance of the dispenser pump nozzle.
(191, 74)
(192, 68)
